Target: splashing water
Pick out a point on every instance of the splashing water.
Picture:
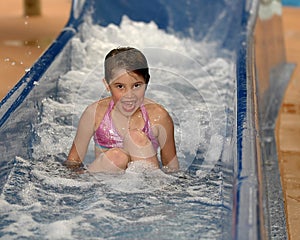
(42, 199)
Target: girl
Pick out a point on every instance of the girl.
(126, 127)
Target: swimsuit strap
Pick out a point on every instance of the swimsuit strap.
(146, 118)
(147, 128)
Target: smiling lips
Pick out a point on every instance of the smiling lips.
(128, 106)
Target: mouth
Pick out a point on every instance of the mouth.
(128, 106)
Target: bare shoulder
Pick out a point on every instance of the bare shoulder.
(102, 104)
(98, 106)
(98, 109)
(157, 113)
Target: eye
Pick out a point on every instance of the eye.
(137, 85)
(119, 86)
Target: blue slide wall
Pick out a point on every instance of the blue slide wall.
(255, 213)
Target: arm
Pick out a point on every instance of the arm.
(83, 136)
(167, 142)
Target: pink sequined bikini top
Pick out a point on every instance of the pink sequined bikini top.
(107, 136)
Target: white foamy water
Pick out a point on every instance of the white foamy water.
(43, 200)
(186, 78)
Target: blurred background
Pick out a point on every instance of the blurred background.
(24, 36)
(28, 27)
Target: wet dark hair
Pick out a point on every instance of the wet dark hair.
(127, 58)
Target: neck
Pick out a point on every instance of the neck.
(120, 121)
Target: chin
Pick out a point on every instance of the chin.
(128, 112)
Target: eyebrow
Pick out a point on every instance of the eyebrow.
(116, 83)
(133, 82)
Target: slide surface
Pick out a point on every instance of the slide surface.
(199, 61)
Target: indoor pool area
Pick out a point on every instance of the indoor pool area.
(217, 71)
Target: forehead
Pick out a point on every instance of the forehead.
(123, 76)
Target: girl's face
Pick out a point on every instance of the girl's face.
(127, 91)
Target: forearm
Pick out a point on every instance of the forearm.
(73, 161)
(80, 144)
(172, 165)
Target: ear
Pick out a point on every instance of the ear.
(106, 84)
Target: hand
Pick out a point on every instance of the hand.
(74, 166)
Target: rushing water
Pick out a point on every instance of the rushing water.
(41, 199)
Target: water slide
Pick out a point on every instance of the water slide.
(223, 90)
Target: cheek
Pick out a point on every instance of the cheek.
(116, 95)
(141, 95)
(140, 92)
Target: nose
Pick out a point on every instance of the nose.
(129, 93)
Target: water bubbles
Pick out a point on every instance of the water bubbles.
(187, 80)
